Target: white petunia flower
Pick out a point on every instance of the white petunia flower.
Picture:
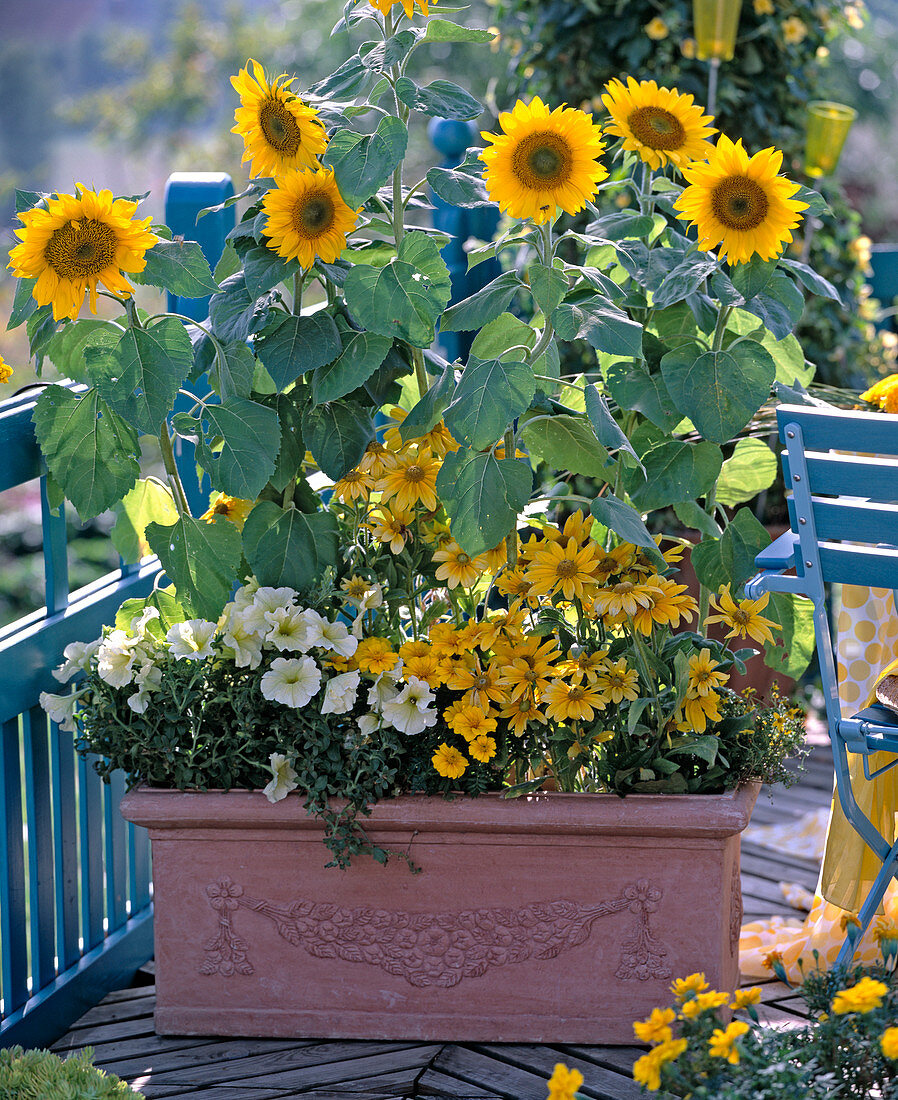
(191, 640)
(77, 659)
(370, 723)
(384, 688)
(141, 622)
(115, 658)
(245, 595)
(265, 600)
(340, 693)
(60, 708)
(331, 636)
(371, 598)
(284, 778)
(291, 681)
(245, 644)
(408, 712)
(288, 629)
(148, 678)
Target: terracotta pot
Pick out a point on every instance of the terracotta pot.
(548, 919)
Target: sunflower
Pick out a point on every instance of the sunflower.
(307, 217)
(743, 617)
(279, 131)
(408, 6)
(658, 124)
(543, 159)
(76, 242)
(740, 203)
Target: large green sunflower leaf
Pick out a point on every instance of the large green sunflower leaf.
(362, 354)
(90, 450)
(601, 323)
(674, 471)
(483, 497)
(337, 434)
(488, 396)
(140, 376)
(289, 547)
(363, 163)
(200, 559)
(567, 443)
(178, 267)
(246, 437)
(483, 306)
(441, 99)
(299, 345)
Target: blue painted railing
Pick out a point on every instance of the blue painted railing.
(75, 887)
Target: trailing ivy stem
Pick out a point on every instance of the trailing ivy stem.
(420, 371)
(171, 468)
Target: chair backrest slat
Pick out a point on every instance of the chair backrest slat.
(849, 475)
(857, 521)
(842, 430)
(867, 566)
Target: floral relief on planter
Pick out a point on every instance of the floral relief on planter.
(436, 949)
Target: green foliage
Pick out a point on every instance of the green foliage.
(41, 1075)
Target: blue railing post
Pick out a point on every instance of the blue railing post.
(186, 194)
(884, 282)
(451, 138)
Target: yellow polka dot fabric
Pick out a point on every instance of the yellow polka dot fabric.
(867, 630)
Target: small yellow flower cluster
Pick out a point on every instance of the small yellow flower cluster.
(701, 704)
(5, 370)
(863, 997)
(695, 999)
(884, 394)
(564, 1082)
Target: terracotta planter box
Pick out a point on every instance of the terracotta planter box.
(555, 918)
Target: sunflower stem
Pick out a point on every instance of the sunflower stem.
(721, 327)
(420, 371)
(171, 468)
(298, 280)
(131, 311)
(511, 539)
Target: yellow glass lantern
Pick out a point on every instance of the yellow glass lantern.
(716, 22)
(828, 126)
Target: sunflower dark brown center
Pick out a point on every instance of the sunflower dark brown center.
(313, 215)
(656, 128)
(739, 203)
(82, 249)
(280, 127)
(542, 161)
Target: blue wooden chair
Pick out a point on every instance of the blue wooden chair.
(844, 523)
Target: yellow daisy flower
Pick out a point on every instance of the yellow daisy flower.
(5, 370)
(375, 655)
(427, 667)
(577, 527)
(722, 1043)
(656, 1029)
(519, 712)
(703, 677)
(481, 686)
(658, 124)
(280, 133)
(352, 486)
(482, 747)
(514, 584)
(456, 567)
(763, 7)
(78, 241)
(566, 702)
(704, 1002)
(795, 30)
(232, 508)
(392, 526)
(888, 1043)
(744, 998)
(472, 721)
(623, 598)
(411, 479)
(695, 713)
(307, 217)
(618, 681)
(647, 1069)
(449, 762)
(375, 460)
(542, 160)
(740, 203)
(568, 569)
(670, 603)
(743, 617)
(884, 394)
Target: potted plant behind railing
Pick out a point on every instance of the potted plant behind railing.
(418, 628)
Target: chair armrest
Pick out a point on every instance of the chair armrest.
(773, 561)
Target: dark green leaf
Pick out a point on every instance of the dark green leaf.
(293, 449)
(384, 54)
(608, 431)
(236, 371)
(489, 395)
(140, 377)
(779, 306)
(675, 471)
(441, 99)
(624, 521)
(249, 440)
(730, 559)
(263, 269)
(360, 358)
(811, 280)
(634, 388)
(684, 279)
(817, 204)
(289, 547)
(601, 323)
(483, 306)
(566, 443)
(458, 188)
(483, 497)
(694, 516)
(200, 559)
(70, 348)
(337, 435)
(442, 30)
(429, 410)
(298, 345)
(90, 450)
(179, 267)
(622, 224)
(344, 82)
(363, 163)
(23, 304)
(236, 314)
(719, 391)
(548, 286)
(751, 278)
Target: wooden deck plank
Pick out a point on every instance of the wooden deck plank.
(434, 1083)
(604, 1084)
(507, 1081)
(191, 1054)
(403, 1067)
